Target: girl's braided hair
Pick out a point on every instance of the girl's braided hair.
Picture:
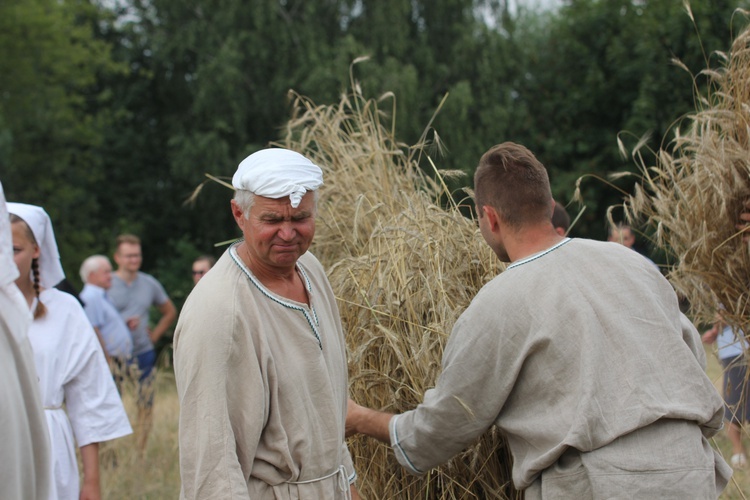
(41, 310)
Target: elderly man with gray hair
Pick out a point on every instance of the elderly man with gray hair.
(260, 358)
(113, 332)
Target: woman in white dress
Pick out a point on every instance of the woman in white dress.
(79, 396)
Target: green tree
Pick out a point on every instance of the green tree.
(49, 119)
(598, 68)
(425, 50)
(208, 85)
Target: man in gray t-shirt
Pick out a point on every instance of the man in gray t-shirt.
(134, 293)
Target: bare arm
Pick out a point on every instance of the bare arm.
(361, 420)
(168, 316)
(354, 492)
(709, 336)
(90, 489)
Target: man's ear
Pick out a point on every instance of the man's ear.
(237, 213)
(493, 218)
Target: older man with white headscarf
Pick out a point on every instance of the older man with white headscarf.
(260, 358)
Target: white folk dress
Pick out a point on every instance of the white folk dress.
(81, 402)
(262, 382)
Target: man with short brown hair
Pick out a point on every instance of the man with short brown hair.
(134, 293)
(577, 352)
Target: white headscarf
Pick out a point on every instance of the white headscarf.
(50, 269)
(276, 173)
(8, 269)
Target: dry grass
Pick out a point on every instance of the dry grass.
(694, 193)
(127, 475)
(692, 197)
(403, 269)
(157, 477)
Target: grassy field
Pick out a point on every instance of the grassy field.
(124, 475)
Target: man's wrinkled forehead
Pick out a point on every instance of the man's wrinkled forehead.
(265, 207)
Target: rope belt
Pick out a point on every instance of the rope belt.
(342, 480)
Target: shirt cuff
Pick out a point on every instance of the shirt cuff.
(398, 450)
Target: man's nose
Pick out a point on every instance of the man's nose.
(287, 231)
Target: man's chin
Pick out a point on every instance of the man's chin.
(286, 258)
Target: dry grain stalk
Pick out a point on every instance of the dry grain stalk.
(694, 193)
(403, 269)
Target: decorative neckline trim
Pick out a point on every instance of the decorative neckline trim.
(537, 255)
(309, 313)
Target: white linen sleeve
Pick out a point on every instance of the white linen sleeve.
(93, 404)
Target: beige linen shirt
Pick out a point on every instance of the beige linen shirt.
(262, 383)
(570, 350)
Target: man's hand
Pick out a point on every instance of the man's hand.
(709, 337)
(89, 492)
(90, 489)
(133, 322)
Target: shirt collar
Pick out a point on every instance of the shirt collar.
(537, 255)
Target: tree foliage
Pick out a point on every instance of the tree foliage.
(602, 68)
(112, 113)
(51, 118)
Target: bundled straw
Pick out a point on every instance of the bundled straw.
(403, 269)
(694, 194)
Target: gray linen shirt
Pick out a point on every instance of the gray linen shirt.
(263, 386)
(571, 348)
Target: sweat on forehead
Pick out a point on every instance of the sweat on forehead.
(278, 173)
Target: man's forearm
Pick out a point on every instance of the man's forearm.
(373, 423)
(168, 317)
(160, 328)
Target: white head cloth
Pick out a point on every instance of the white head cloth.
(276, 173)
(8, 269)
(50, 269)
